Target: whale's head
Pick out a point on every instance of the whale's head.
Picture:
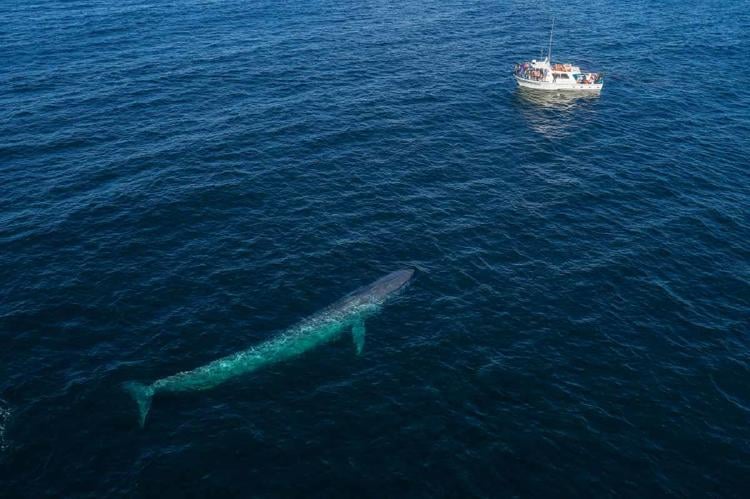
(373, 295)
(387, 285)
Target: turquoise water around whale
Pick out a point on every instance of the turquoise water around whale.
(182, 180)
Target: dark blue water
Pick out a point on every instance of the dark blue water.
(182, 180)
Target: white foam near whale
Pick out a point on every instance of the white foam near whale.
(4, 419)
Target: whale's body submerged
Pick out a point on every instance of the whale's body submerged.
(316, 330)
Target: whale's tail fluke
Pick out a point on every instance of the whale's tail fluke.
(142, 394)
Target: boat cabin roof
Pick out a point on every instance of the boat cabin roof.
(557, 67)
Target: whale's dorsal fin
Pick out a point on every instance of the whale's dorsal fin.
(358, 334)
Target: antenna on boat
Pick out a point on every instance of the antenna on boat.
(549, 51)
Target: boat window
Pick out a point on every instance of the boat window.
(562, 75)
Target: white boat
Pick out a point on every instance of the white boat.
(543, 75)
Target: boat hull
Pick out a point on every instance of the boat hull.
(554, 86)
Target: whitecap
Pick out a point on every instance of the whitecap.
(4, 418)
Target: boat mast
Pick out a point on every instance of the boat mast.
(549, 51)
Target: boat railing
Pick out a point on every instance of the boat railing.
(594, 80)
(530, 73)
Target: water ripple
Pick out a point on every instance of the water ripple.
(186, 179)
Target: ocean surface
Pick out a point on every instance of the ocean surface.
(183, 180)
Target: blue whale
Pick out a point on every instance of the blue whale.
(318, 329)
